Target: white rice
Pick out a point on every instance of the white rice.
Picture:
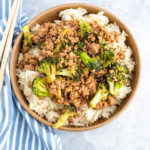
(47, 107)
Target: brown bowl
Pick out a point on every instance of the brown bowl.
(51, 15)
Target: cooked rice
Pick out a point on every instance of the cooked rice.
(88, 115)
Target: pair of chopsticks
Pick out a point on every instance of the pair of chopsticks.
(7, 39)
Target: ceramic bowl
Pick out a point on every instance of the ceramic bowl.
(51, 15)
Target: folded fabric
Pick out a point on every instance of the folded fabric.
(19, 130)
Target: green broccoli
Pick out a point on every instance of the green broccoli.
(115, 80)
(100, 37)
(38, 87)
(40, 45)
(78, 52)
(48, 66)
(85, 30)
(80, 45)
(74, 72)
(27, 36)
(111, 80)
(91, 63)
(69, 111)
(119, 84)
(123, 69)
(107, 57)
(59, 47)
(65, 72)
(101, 94)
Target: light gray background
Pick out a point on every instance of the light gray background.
(131, 131)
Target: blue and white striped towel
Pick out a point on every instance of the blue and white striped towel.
(18, 130)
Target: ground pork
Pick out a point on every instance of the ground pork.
(111, 101)
(25, 49)
(93, 49)
(41, 31)
(29, 62)
(121, 55)
(35, 39)
(100, 105)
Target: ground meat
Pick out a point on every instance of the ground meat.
(100, 105)
(121, 55)
(70, 120)
(29, 62)
(111, 101)
(84, 91)
(54, 87)
(48, 45)
(101, 73)
(35, 39)
(49, 25)
(25, 49)
(75, 102)
(93, 49)
(41, 31)
(74, 23)
(112, 36)
(59, 111)
(30, 67)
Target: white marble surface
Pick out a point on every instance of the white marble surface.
(131, 131)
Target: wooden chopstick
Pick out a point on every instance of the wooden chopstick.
(3, 42)
(8, 45)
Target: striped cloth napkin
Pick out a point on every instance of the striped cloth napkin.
(18, 130)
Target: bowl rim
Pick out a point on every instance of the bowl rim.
(85, 128)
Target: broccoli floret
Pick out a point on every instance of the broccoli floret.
(38, 87)
(91, 63)
(69, 111)
(64, 72)
(110, 79)
(119, 84)
(62, 65)
(85, 30)
(115, 80)
(59, 47)
(107, 57)
(67, 73)
(100, 37)
(101, 94)
(40, 45)
(27, 36)
(74, 72)
(123, 69)
(48, 66)
(77, 67)
(80, 45)
(78, 52)
(69, 43)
